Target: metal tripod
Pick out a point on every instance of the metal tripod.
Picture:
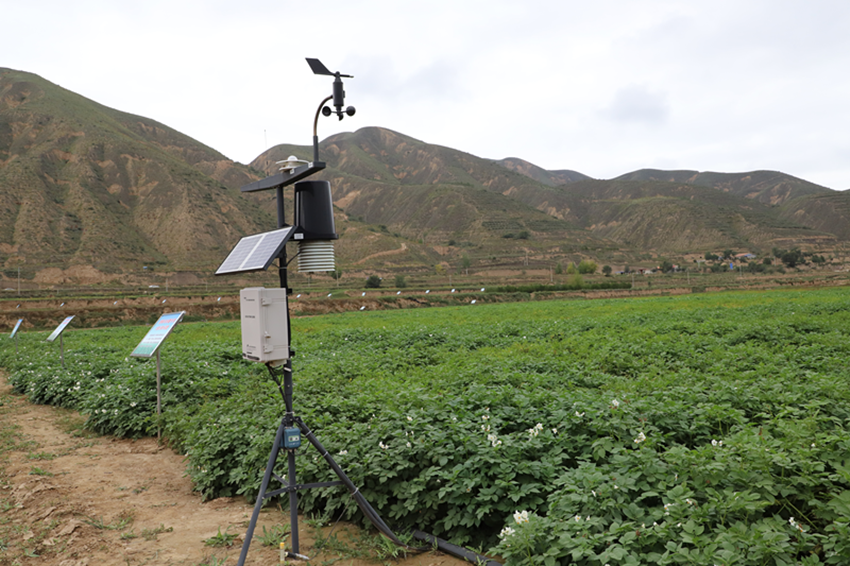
(291, 485)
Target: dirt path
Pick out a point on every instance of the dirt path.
(71, 499)
(402, 249)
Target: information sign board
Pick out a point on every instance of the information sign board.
(17, 326)
(157, 334)
(60, 328)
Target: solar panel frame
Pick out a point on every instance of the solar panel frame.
(255, 252)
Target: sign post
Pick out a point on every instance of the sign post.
(149, 347)
(58, 333)
(15, 334)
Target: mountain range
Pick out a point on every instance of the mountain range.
(85, 185)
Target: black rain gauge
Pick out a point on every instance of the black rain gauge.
(14, 334)
(58, 334)
(149, 347)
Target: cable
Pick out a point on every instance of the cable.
(276, 380)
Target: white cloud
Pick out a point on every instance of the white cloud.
(637, 104)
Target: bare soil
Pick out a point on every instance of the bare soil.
(68, 498)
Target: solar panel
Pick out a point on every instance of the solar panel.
(255, 253)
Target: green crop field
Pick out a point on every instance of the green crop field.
(702, 429)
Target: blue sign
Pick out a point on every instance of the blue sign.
(60, 328)
(15, 330)
(157, 334)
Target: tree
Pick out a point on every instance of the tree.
(336, 274)
(711, 257)
(606, 270)
(465, 262)
(666, 266)
(728, 254)
(559, 269)
(586, 266)
(373, 282)
(792, 258)
(400, 282)
(571, 269)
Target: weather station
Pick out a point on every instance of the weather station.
(265, 321)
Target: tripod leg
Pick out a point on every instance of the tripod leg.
(260, 496)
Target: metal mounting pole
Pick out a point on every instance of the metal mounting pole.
(289, 421)
(158, 400)
(62, 349)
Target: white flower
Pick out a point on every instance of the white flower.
(640, 437)
(521, 517)
(506, 532)
(382, 445)
(409, 445)
(133, 404)
(577, 518)
(409, 418)
(485, 417)
(343, 452)
(536, 430)
(615, 403)
(716, 443)
(579, 415)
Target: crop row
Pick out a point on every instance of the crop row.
(710, 429)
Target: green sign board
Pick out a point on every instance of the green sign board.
(157, 334)
(60, 328)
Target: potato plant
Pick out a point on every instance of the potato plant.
(706, 429)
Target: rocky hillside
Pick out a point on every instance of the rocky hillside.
(84, 186)
(435, 193)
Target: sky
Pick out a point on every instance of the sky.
(603, 87)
